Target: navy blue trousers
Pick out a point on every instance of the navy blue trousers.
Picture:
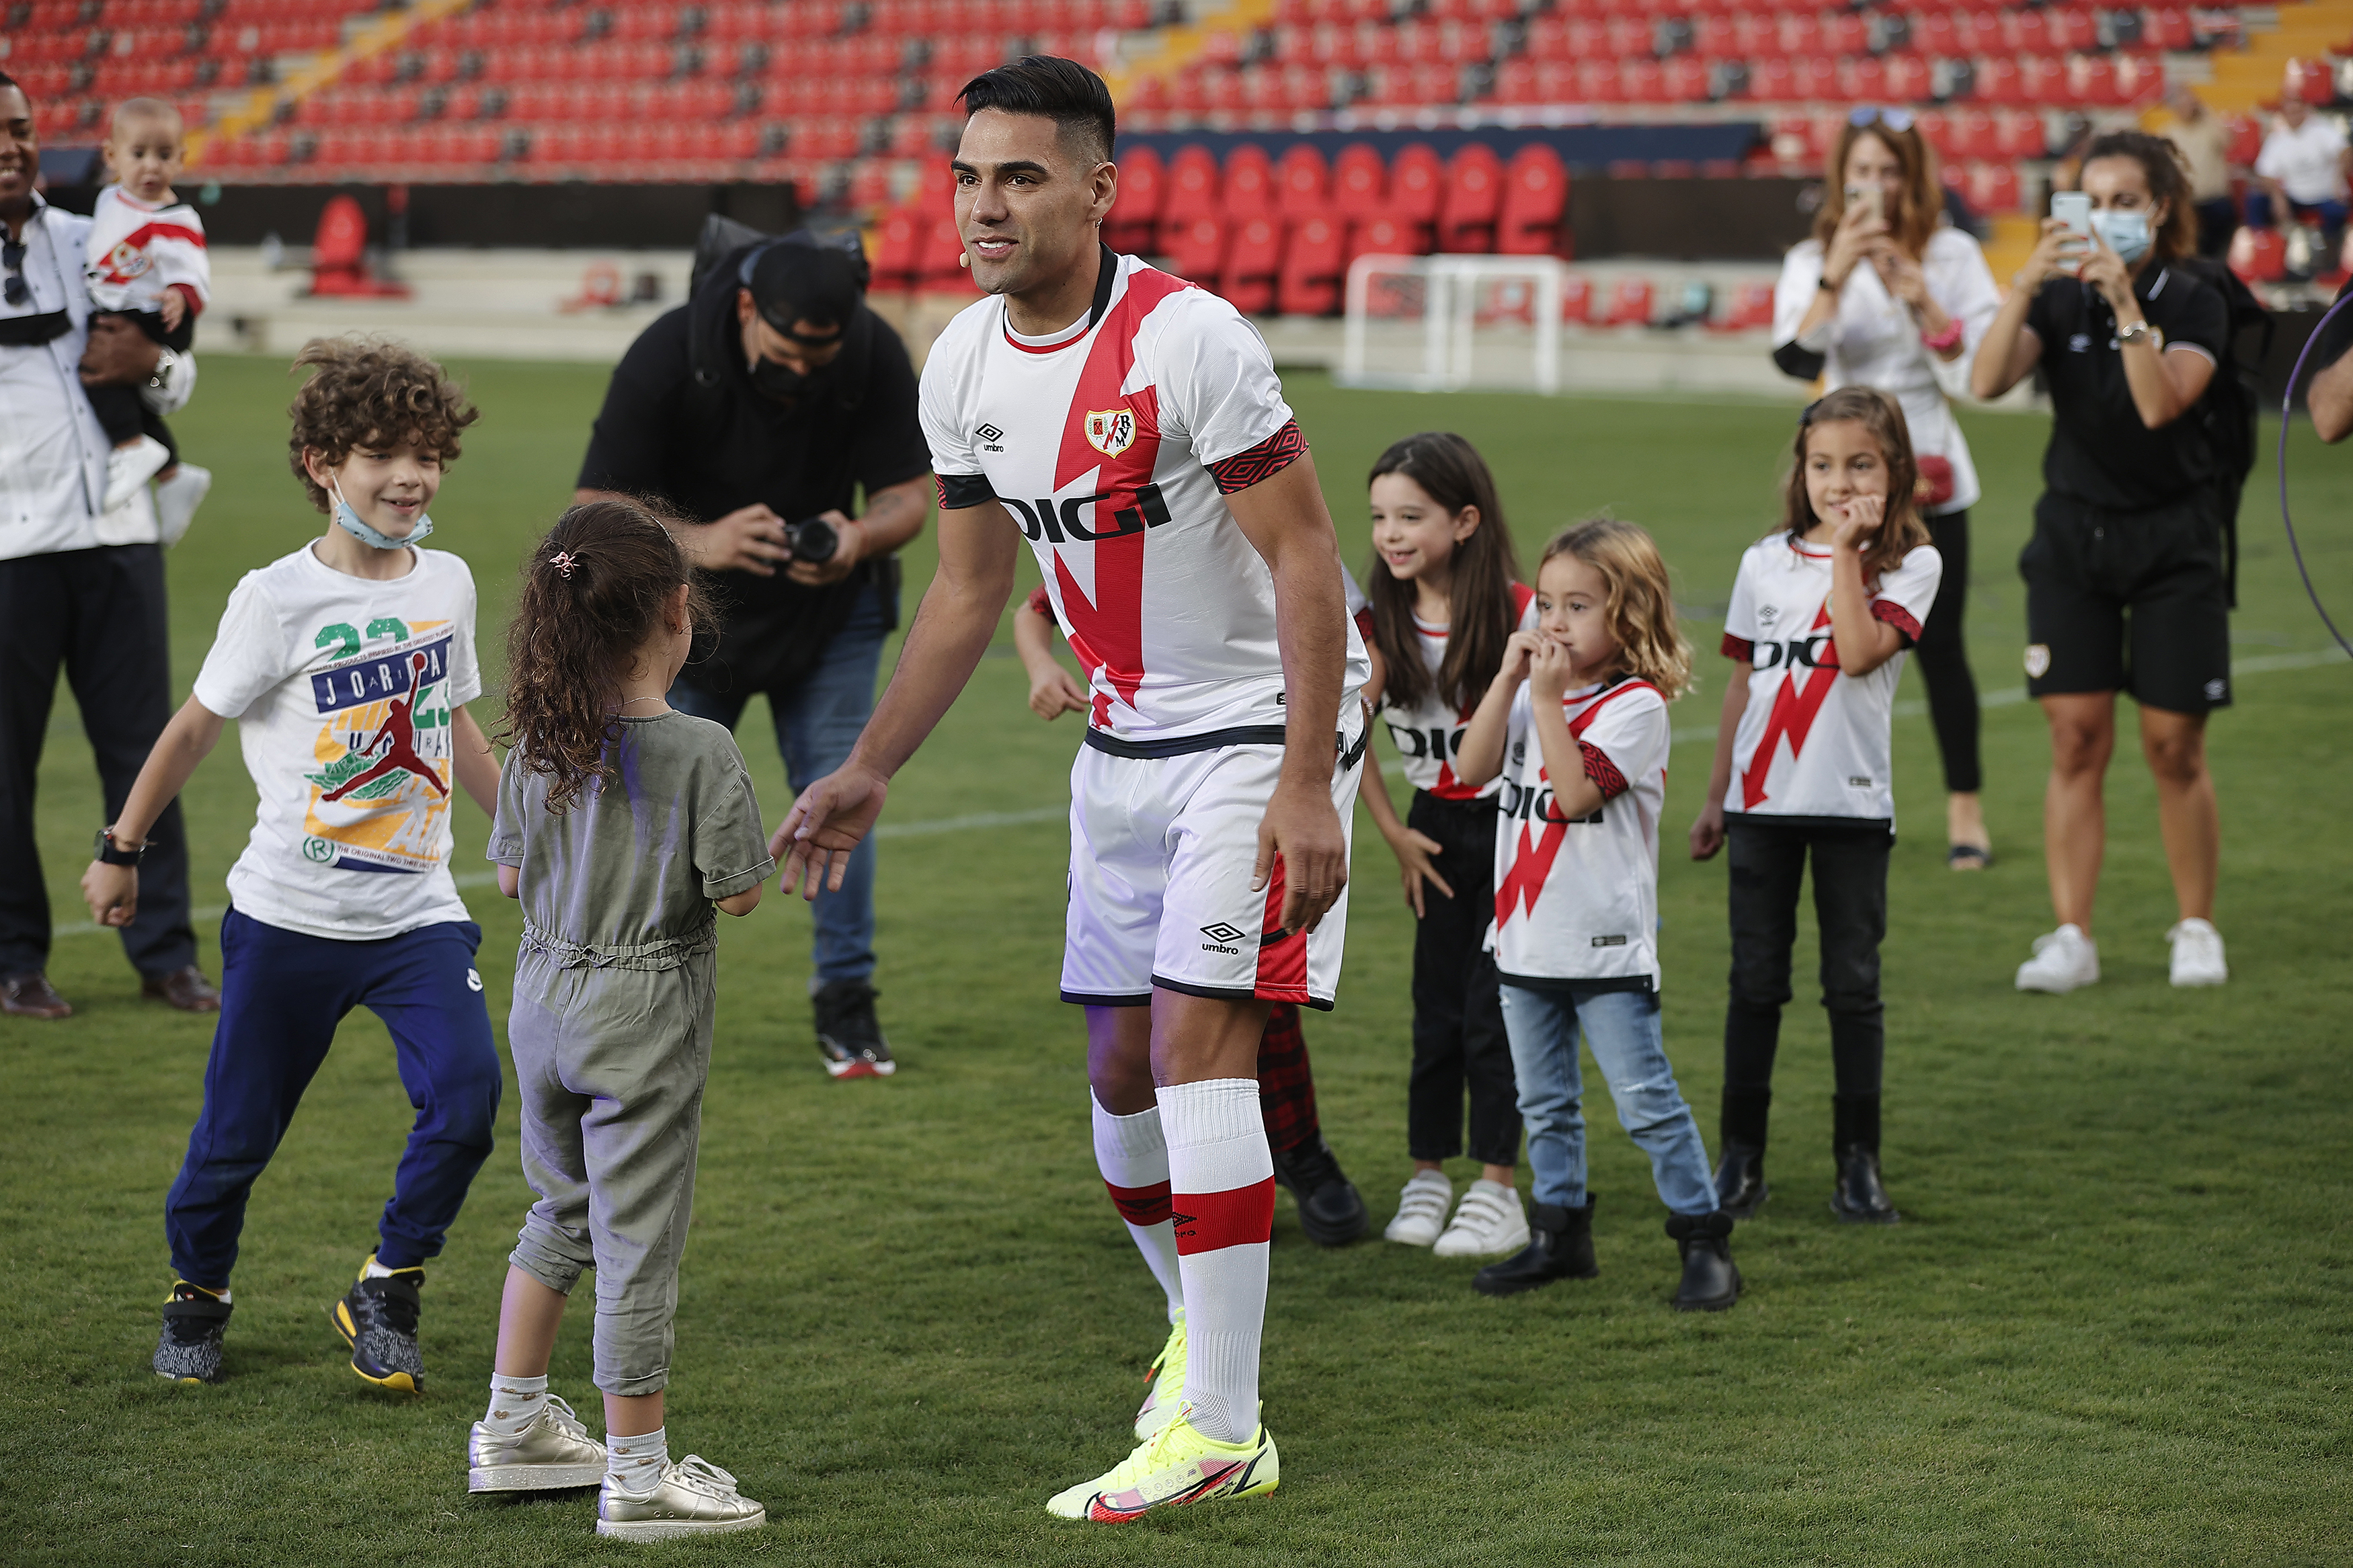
(283, 993)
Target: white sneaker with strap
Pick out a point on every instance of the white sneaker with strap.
(1422, 1209)
(1488, 1223)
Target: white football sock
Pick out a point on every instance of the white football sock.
(1221, 1182)
(635, 1465)
(1133, 1156)
(516, 1403)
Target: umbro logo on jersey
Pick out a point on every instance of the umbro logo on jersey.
(989, 433)
(1110, 431)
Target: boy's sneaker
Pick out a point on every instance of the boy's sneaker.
(176, 499)
(128, 468)
(377, 1316)
(2197, 953)
(1164, 1400)
(1177, 1467)
(2063, 960)
(695, 1497)
(1422, 1209)
(553, 1452)
(848, 1032)
(194, 1321)
(1488, 1223)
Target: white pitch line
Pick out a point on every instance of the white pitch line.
(2009, 698)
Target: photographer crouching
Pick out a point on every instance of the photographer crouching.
(754, 414)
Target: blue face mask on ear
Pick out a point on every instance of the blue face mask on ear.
(349, 522)
(2125, 232)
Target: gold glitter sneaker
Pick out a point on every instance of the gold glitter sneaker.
(554, 1452)
(695, 1498)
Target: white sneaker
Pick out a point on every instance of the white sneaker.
(128, 468)
(1422, 1209)
(2197, 953)
(177, 498)
(1488, 1223)
(2063, 960)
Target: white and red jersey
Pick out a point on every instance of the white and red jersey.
(1814, 740)
(1429, 733)
(1576, 901)
(1114, 446)
(136, 250)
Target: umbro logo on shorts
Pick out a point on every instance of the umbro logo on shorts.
(1220, 933)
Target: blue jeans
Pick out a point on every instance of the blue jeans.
(818, 718)
(283, 993)
(1622, 1027)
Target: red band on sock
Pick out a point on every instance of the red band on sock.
(1210, 1222)
(1141, 1206)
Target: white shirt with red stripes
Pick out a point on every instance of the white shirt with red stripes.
(1576, 901)
(1429, 733)
(137, 249)
(1114, 446)
(1814, 741)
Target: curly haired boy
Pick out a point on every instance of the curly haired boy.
(347, 665)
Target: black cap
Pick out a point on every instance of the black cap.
(793, 280)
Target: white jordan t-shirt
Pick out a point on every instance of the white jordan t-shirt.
(343, 690)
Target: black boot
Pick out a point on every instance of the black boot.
(1710, 1282)
(847, 1033)
(1858, 1198)
(1740, 1189)
(1560, 1247)
(1330, 1212)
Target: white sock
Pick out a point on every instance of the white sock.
(374, 1270)
(1221, 1182)
(516, 1403)
(635, 1465)
(1134, 1158)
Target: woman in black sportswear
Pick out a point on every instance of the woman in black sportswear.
(2125, 576)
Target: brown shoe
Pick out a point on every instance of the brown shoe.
(30, 996)
(186, 989)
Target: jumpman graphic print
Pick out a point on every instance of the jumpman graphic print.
(381, 792)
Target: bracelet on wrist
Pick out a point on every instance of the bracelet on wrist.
(1825, 285)
(1937, 343)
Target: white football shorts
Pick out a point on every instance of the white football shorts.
(1162, 849)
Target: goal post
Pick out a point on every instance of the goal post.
(1440, 304)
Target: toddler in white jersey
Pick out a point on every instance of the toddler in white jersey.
(145, 260)
(1575, 725)
(1821, 613)
(1445, 598)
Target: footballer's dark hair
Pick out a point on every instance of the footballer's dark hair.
(1064, 91)
(1482, 615)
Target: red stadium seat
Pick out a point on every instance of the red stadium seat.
(1863, 80)
(1769, 81)
(1249, 183)
(1535, 197)
(1630, 302)
(1415, 183)
(2042, 79)
(1474, 190)
(2246, 139)
(2019, 133)
(1749, 308)
(1253, 265)
(1312, 267)
(1386, 236)
(2259, 254)
(1192, 187)
(1998, 81)
(1577, 300)
(1908, 78)
(2166, 29)
(1993, 188)
(1303, 183)
(1197, 248)
(1359, 182)
(1597, 81)
(1516, 83)
(939, 269)
(1685, 80)
(1135, 220)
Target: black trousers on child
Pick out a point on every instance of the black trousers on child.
(1943, 658)
(122, 413)
(1768, 863)
(1458, 1003)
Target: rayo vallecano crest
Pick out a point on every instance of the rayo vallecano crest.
(1110, 431)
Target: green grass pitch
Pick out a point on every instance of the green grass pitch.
(2112, 1328)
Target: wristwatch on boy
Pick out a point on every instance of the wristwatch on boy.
(109, 853)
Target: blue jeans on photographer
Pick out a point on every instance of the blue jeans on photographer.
(1622, 1028)
(817, 718)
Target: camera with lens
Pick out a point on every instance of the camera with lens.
(814, 540)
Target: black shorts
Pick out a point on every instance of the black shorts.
(2127, 601)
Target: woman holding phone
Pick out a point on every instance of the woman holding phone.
(2125, 580)
(1886, 295)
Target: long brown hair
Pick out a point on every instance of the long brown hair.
(1923, 198)
(1640, 604)
(1901, 532)
(1480, 617)
(2168, 181)
(593, 590)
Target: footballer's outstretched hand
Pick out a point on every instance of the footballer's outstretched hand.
(831, 817)
(1299, 839)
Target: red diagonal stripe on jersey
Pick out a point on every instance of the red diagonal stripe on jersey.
(1211, 1222)
(1281, 959)
(1141, 1206)
(1794, 707)
(138, 237)
(1532, 860)
(1106, 629)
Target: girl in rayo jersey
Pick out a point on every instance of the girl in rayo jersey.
(1445, 598)
(1821, 613)
(1575, 725)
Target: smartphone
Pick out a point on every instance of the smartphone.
(2073, 208)
(1870, 198)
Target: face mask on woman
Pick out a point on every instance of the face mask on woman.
(2123, 232)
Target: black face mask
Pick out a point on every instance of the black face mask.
(782, 382)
